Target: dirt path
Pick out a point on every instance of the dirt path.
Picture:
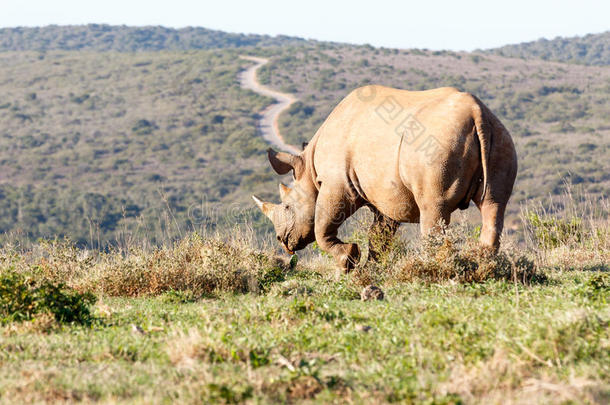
(268, 124)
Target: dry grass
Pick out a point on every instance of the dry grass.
(578, 238)
(446, 257)
(455, 256)
(200, 266)
(507, 379)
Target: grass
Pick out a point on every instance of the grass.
(437, 342)
(215, 320)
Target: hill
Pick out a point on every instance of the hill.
(100, 37)
(107, 147)
(592, 49)
(93, 145)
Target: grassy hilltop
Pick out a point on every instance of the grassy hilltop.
(592, 49)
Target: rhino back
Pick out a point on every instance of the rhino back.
(390, 144)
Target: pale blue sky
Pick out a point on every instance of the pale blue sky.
(457, 25)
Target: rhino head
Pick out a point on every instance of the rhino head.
(293, 218)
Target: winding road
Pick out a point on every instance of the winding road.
(268, 123)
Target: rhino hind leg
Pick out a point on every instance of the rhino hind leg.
(493, 221)
(380, 234)
(332, 209)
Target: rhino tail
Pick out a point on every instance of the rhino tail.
(484, 135)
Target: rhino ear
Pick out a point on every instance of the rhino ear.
(266, 207)
(284, 190)
(283, 162)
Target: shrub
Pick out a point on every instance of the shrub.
(452, 257)
(551, 232)
(21, 298)
(192, 268)
(144, 127)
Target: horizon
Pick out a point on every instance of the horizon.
(386, 25)
(294, 36)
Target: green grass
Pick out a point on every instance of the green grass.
(304, 340)
(215, 320)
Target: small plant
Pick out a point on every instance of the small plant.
(179, 297)
(269, 277)
(229, 395)
(449, 257)
(551, 232)
(258, 358)
(22, 298)
(597, 288)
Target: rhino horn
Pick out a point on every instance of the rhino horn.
(284, 190)
(266, 207)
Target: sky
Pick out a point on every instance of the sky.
(455, 25)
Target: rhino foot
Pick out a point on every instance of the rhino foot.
(350, 257)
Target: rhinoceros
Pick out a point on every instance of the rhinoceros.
(410, 156)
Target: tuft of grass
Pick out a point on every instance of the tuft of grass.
(454, 255)
(442, 258)
(551, 232)
(570, 232)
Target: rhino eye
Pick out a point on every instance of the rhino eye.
(278, 237)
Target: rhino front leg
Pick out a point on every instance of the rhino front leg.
(380, 234)
(332, 209)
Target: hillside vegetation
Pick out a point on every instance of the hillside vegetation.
(108, 147)
(592, 49)
(103, 147)
(100, 37)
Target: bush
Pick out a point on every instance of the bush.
(144, 127)
(21, 298)
(457, 255)
(446, 258)
(551, 232)
(193, 268)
